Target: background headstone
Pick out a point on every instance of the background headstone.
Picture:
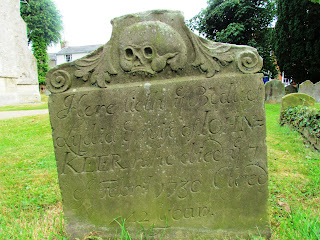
(18, 67)
(311, 89)
(274, 91)
(164, 129)
(316, 91)
(296, 99)
(290, 89)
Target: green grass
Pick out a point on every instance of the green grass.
(294, 172)
(30, 200)
(35, 106)
(317, 105)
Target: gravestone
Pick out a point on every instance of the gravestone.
(316, 92)
(311, 89)
(274, 91)
(290, 89)
(163, 129)
(297, 99)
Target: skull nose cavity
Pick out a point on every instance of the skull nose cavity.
(137, 62)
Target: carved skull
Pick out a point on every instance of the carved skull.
(147, 47)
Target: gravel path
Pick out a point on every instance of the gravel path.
(14, 114)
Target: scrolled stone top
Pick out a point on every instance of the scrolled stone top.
(145, 14)
(153, 45)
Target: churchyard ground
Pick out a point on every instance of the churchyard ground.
(36, 106)
(30, 200)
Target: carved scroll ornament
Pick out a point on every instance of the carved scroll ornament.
(249, 61)
(59, 81)
(210, 56)
(152, 47)
(96, 67)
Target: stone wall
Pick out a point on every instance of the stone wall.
(18, 67)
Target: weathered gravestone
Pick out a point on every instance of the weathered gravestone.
(274, 91)
(296, 99)
(290, 89)
(311, 89)
(160, 126)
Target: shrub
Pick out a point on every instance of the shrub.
(303, 119)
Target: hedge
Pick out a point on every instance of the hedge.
(305, 120)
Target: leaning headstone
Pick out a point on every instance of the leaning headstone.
(290, 89)
(161, 129)
(274, 91)
(297, 99)
(311, 89)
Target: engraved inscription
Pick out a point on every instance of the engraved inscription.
(158, 150)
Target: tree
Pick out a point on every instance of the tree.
(315, 1)
(244, 22)
(297, 39)
(44, 26)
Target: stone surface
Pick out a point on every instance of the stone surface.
(296, 99)
(160, 126)
(290, 89)
(274, 91)
(311, 89)
(18, 67)
(316, 91)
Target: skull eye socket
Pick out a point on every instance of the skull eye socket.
(148, 52)
(129, 53)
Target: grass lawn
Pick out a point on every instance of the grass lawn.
(30, 200)
(35, 106)
(294, 182)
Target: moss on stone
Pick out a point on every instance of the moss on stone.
(297, 99)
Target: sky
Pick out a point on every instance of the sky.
(87, 22)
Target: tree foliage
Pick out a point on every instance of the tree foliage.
(244, 22)
(297, 39)
(39, 49)
(44, 26)
(315, 1)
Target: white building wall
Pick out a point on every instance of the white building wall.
(62, 58)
